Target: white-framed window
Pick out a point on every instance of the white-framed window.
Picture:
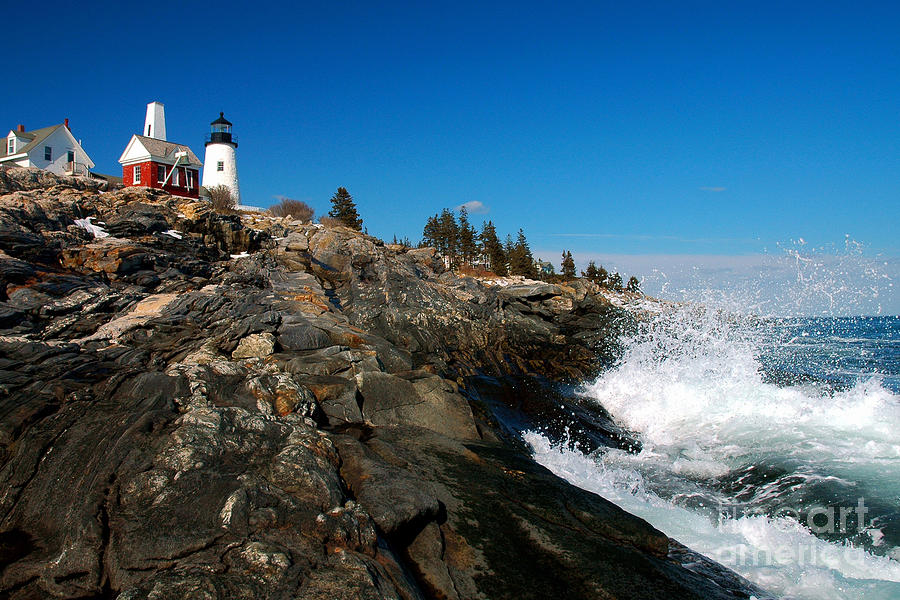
(175, 177)
(11, 146)
(160, 173)
(137, 173)
(48, 153)
(70, 156)
(188, 178)
(220, 166)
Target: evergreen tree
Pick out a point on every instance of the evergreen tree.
(493, 250)
(602, 277)
(567, 268)
(468, 239)
(615, 282)
(430, 233)
(591, 273)
(633, 285)
(448, 237)
(344, 209)
(521, 262)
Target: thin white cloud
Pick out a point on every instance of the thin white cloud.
(474, 207)
(643, 237)
(713, 189)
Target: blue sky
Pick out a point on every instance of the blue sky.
(688, 129)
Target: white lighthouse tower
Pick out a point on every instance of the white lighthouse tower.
(220, 164)
(155, 122)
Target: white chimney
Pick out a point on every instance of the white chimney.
(155, 123)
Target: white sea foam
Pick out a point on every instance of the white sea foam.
(778, 554)
(690, 386)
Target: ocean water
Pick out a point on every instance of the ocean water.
(769, 445)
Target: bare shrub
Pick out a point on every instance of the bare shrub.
(221, 199)
(297, 209)
(331, 222)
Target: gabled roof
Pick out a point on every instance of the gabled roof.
(162, 149)
(36, 136)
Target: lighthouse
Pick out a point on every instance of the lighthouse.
(220, 163)
(155, 122)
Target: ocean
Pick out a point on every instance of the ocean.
(769, 445)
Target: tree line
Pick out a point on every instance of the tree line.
(461, 245)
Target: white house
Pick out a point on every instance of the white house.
(53, 149)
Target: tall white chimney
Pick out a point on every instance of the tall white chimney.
(155, 123)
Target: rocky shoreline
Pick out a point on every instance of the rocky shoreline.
(197, 405)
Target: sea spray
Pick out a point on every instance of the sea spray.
(751, 472)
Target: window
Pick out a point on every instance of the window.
(11, 146)
(148, 130)
(175, 177)
(160, 173)
(70, 156)
(188, 179)
(48, 153)
(220, 166)
(137, 173)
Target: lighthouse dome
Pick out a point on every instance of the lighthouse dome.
(221, 120)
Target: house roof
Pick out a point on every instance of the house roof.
(167, 150)
(36, 136)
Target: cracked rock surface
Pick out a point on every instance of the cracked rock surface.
(197, 405)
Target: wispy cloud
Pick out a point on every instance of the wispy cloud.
(641, 237)
(713, 189)
(474, 207)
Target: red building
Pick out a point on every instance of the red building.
(161, 164)
(152, 161)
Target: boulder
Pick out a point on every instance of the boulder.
(112, 256)
(302, 336)
(427, 401)
(257, 345)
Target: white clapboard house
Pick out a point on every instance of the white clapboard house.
(53, 149)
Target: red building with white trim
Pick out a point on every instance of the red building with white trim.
(157, 163)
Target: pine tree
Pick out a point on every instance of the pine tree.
(493, 250)
(521, 262)
(591, 272)
(468, 239)
(633, 285)
(567, 268)
(508, 249)
(430, 233)
(344, 209)
(602, 277)
(448, 237)
(615, 282)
